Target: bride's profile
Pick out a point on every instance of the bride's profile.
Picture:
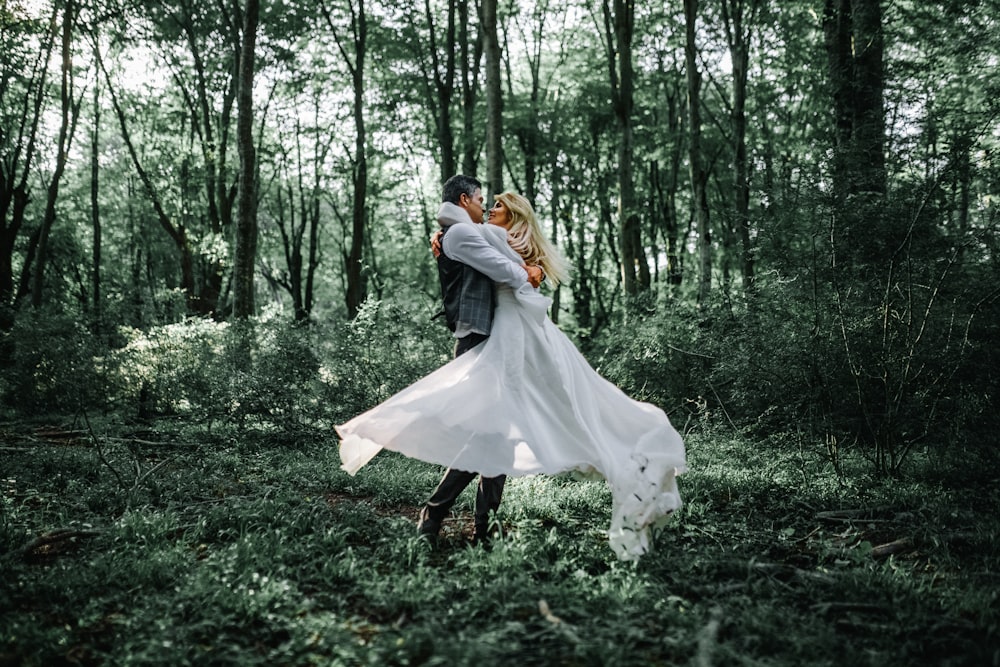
(526, 402)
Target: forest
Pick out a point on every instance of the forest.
(782, 224)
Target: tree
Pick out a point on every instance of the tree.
(22, 98)
(69, 110)
(494, 99)
(439, 81)
(354, 59)
(203, 49)
(699, 174)
(619, 27)
(738, 22)
(246, 230)
(854, 46)
(470, 63)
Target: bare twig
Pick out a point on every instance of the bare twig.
(100, 452)
(894, 547)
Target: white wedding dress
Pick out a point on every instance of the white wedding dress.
(526, 402)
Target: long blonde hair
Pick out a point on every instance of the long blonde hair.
(526, 238)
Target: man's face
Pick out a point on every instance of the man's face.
(473, 205)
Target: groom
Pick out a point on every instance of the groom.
(467, 268)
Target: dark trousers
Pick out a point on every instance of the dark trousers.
(454, 481)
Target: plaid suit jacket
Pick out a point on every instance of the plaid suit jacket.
(467, 294)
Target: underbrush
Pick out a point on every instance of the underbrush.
(235, 551)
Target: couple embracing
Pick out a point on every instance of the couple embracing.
(518, 398)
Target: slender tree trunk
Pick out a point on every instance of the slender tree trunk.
(556, 208)
(699, 177)
(212, 132)
(246, 229)
(738, 37)
(635, 269)
(357, 283)
(95, 209)
(14, 192)
(469, 69)
(442, 81)
(357, 289)
(494, 100)
(67, 120)
(177, 233)
(668, 188)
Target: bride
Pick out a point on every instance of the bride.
(527, 402)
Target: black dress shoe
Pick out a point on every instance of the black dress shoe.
(482, 537)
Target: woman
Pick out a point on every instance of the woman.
(527, 402)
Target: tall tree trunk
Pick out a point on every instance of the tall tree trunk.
(664, 179)
(357, 283)
(357, 289)
(854, 47)
(738, 37)
(95, 209)
(469, 69)
(68, 116)
(246, 229)
(212, 130)
(494, 100)
(619, 28)
(14, 191)
(699, 177)
(869, 114)
(441, 85)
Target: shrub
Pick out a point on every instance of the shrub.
(52, 364)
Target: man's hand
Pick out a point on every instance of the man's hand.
(535, 275)
(436, 243)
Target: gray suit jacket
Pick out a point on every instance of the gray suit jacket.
(467, 268)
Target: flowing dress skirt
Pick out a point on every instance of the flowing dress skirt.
(527, 402)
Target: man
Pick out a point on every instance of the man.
(468, 267)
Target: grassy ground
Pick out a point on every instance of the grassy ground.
(186, 547)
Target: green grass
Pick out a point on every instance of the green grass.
(257, 550)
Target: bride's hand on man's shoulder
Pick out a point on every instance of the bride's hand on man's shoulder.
(436, 243)
(535, 274)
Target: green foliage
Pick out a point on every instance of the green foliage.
(259, 554)
(52, 364)
(169, 369)
(385, 348)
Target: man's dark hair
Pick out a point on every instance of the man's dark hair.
(459, 185)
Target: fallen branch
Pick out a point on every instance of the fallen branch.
(57, 433)
(895, 547)
(56, 536)
(151, 443)
(860, 513)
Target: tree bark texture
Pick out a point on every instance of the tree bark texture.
(620, 29)
(735, 17)
(246, 227)
(95, 208)
(855, 54)
(470, 88)
(494, 100)
(699, 177)
(67, 121)
(14, 177)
